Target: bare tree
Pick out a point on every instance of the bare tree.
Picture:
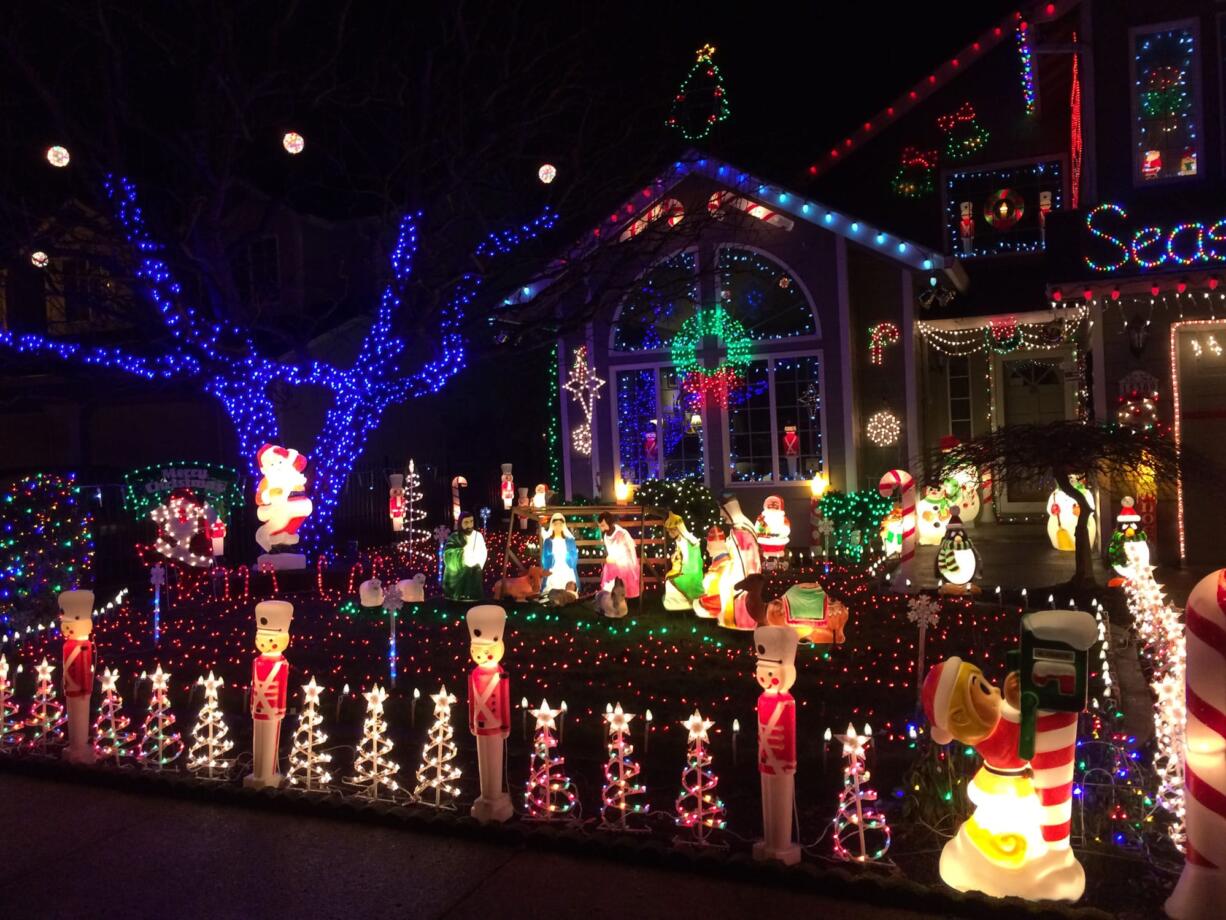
(1062, 450)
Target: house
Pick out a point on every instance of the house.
(1019, 237)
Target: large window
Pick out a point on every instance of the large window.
(762, 295)
(774, 422)
(659, 428)
(661, 301)
(960, 397)
(1165, 102)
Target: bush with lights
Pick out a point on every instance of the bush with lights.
(46, 542)
(857, 520)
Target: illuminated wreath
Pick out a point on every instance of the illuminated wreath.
(697, 379)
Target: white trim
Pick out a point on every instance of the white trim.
(850, 472)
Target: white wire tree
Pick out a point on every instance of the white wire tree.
(112, 740)
(160, 744)
(308, 762)
(550, 794)
(415, 511)
(45, 725)
(211, 740)
(438, 773)
(11, 722)
(374, 773)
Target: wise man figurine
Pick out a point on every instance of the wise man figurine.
(776, 673)
(269, 691)
(464, 561)
(76, 623)
(489, 709)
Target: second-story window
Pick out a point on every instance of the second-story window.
(1165, 103)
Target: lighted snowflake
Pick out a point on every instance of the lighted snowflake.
(883, 428)
(923, 610)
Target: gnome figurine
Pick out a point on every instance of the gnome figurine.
(76, 622)
(776, 672)
(269, 686)
(489, 709)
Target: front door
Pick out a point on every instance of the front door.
(1031, 389)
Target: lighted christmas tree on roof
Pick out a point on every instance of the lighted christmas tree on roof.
(701, 103)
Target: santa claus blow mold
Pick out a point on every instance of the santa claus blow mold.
(489, 709)
(774, 532)
(281, 504)
(76, 623)
(269, 689)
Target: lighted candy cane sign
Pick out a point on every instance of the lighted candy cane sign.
(881, 336)
(1153, 247)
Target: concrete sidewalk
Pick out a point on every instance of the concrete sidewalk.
(81, 851)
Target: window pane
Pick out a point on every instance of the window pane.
(1165, 103)
(959, 387)
(682, 429)
(764, 297)
(798, 403)
(637, 431)
(661, 301)
(749, 427)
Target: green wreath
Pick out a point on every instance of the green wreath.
(717, 322)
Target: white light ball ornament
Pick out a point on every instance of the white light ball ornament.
(883, 428)
(58, 156)
(39, 259)
(547, 173)
(293, 142)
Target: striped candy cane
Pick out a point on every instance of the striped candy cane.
(988, 514)
(901, 480)
(457, 483)
(1201, 890)
(1055, 748)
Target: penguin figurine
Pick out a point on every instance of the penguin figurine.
(957, 559)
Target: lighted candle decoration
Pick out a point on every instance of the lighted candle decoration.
(817, 488)
(437, 774)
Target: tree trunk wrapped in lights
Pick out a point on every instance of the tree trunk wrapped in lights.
(112, 740)
(210, 737)
(45, 724)
(374, 773)
(550, 794)
(699, 809)
(437, 774)
(307, 762)
(160, 744)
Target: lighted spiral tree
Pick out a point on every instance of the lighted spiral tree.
(211, 740)
(308, 762)
(112, 740)
(437, 774)
(45, 724)
(160, 744)
(550, 795)
(374, 773)
(414, 511)
(222, 359)
(699, 809)
(11, 722)
(861, 833)
(619, 795)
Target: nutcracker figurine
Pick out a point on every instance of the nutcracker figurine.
(1044, 210)
(269, 683)
(791, 450)
(76, 611)
(395, 500)
(217, 534)
(489, 709)
(966, 227)
(776, 672)
(507, 489)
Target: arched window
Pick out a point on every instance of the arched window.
(660, 301)
(763, 295)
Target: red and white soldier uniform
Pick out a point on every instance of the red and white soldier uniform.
(489, 709)
(776, 673)
(269, 691)
(76, 623)
(395, 500)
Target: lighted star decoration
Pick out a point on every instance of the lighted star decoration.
(853, 742)
(923, 611)
(44, 670)
(311, 692)
(443, 699)
(697, 726)
(375, 698)
(160, 680)
(4, 670)
(584, 386)
(811, 399)
(211, 684)
(545, 716)
(619, 721)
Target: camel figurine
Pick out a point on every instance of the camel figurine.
(804, 607)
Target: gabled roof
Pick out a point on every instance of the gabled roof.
(768, 199)
(959, 64)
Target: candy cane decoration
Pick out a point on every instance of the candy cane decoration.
(720, 201)
(881, 336)
(1055, 747)
(901, 480)
(669, 207)
(457, 483)
(1201, 890)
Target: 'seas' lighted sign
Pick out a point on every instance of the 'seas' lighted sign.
(1151, 247)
